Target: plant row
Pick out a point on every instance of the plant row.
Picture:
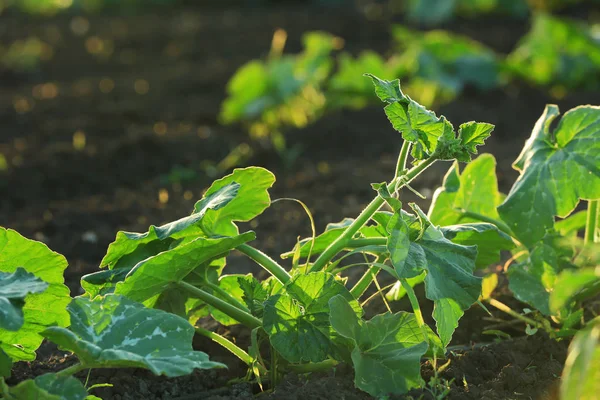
(155, 289)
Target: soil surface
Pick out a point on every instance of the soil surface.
(143, 91)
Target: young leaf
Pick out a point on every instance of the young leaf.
(387, 349)
(14, 289)
(114, 331)
(487, 237)
(581, 375)
(297, 320)
(557, 170)
(471, 135)
(474, 190)
(533, 281)
(151, 277)
(388, 91)
(49, 387)
(42, 309)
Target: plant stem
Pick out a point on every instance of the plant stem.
(499, 224)
(402, 158)
(72, 370)
(504, 308)
(227, 296)
(365, 281)
(337, 245)
(362, 242)
(229, 345)
(266, 262)
(312, 367)
(414, 302)
(593, 218)
(239, 315)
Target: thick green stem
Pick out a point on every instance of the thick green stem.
(506, 309)
(227, 296)
(499, 224)
(337, 245)
(72, 370)
(414, 302)
(593, 219)
(239, 315)
(363, 242)
(229, 345)
(266, 262)
(402, 158)
(312, 367)
(365, 281)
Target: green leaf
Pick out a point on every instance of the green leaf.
(388, 91)
(397, 291)
(387, 349)
(475, 190)
(572, 224)
(487, 237)
(113, 331)
(449, 282)
(41, 309)
(321, 242)
(533, 281)
(581, 375)
(231, 285)
(251, 199)
(13, 290)
(572, 283)
(153, 276)
(5, 365)
(473, 134)
(488, 285)
(255, 293)
(49, 387)
(557, 170)
(297, 320)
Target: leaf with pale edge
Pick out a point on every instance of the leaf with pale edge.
(14, 288)
(113, 331)
(557, 170)
(581, 375)
(49, 387)
(42, 309)
(297, 320)
(387, 349)
(449, 282)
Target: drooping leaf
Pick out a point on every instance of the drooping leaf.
(474, 190)
(151, 277)
(449, 282)
(488, 285)
(533, 281)
(114, 331)
(487, 237)
(14, 288)
(42, 309)
(387, 349)
(297, 319)
(572, 224)
(557, 170)
(581, 375)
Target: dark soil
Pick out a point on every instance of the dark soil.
(76, 200)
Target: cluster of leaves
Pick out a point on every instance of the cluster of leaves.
(142, 308)
(436, 66)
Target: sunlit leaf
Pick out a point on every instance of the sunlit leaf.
(14, 289)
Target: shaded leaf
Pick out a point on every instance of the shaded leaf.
(14, 289)
(581, 375)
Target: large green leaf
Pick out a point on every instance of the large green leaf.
(297, 320)
(557, 170)
(41, 309)
(581, 375)
(251, 200)
(534, 280)
(387, 349)
(449, 282)
(49, 387)
(487, 237)
(474, 190)
(14, 289)
(114, 331)
(154, 275)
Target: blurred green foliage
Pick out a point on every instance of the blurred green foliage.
(50, 7)
(558, 52)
